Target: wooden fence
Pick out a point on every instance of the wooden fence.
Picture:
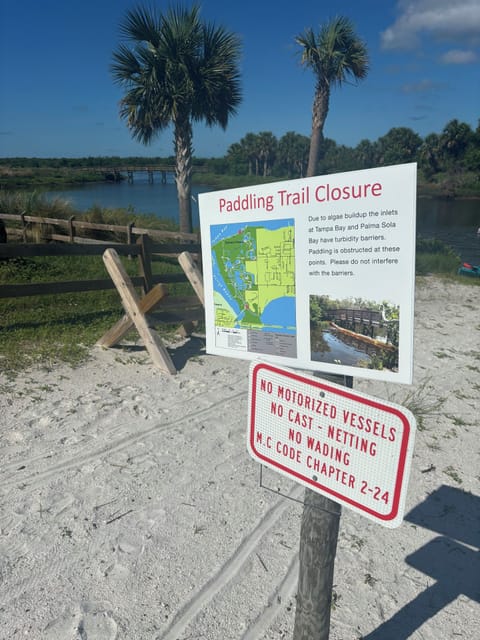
(150, 245)
(32, 228)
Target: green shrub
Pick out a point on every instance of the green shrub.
(435, 256)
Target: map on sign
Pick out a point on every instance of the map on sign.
(253, 275)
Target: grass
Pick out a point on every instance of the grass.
(421, 403)
(434, 256)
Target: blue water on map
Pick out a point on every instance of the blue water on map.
(279, 313)
(283, 308)
(221, 231)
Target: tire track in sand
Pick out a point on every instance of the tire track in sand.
(286, 589)
(36, 478)
(230, 569)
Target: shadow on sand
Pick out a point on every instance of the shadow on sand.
(452, 560)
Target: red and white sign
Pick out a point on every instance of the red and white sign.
(346, 445)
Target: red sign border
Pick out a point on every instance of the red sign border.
(346, 393)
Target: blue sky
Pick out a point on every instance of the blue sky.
(58, 97)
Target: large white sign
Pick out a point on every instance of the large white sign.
(316, 273)
(346, 445)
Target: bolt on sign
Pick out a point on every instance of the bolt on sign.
(350, 447)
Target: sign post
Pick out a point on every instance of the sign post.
(317, 552)
(318, 547)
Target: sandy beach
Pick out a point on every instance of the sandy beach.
(130, 507)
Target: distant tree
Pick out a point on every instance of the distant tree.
(236, 162)
(245, 152)
(176, 70)
(366, 154)
(472, 155)
(454, 141)
(250, 150)
(429, 155)
(266, 149)
(292, 154)
(338, 158)
(399, 145)
(334, 54)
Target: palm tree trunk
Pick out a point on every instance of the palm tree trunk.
(183, 172)
(319, 115)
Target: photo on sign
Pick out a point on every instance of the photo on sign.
(253, 275)
(354, 332)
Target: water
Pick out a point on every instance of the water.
(328, 347)
(453, 221)
(140, 195)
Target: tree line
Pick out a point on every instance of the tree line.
(455, 150)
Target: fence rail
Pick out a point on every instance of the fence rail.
(27, 224)
(147, 248)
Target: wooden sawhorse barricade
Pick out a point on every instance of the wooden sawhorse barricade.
(136, 308)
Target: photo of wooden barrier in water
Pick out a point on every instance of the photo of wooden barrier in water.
(354, 332)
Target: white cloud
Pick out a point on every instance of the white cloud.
(443, 19)
(459, 56)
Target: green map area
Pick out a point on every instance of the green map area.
(254, 266)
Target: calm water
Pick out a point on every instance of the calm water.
(141, 196)
(328, 347)
(455, 222)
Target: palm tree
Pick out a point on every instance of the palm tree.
(176, 70)
(293, 153)
(267, 147)
(335, 54)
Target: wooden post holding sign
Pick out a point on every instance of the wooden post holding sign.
(318, 548)
(349, 448)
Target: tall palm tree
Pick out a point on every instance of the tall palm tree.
(334, 54)
(267, 147)
(176, 70)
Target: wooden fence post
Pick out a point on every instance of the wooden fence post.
(129, 235)
(145, 262)
(318, 547)
(129, 232)
(24, 227)
(71, 228)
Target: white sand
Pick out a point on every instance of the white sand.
(130, 508)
